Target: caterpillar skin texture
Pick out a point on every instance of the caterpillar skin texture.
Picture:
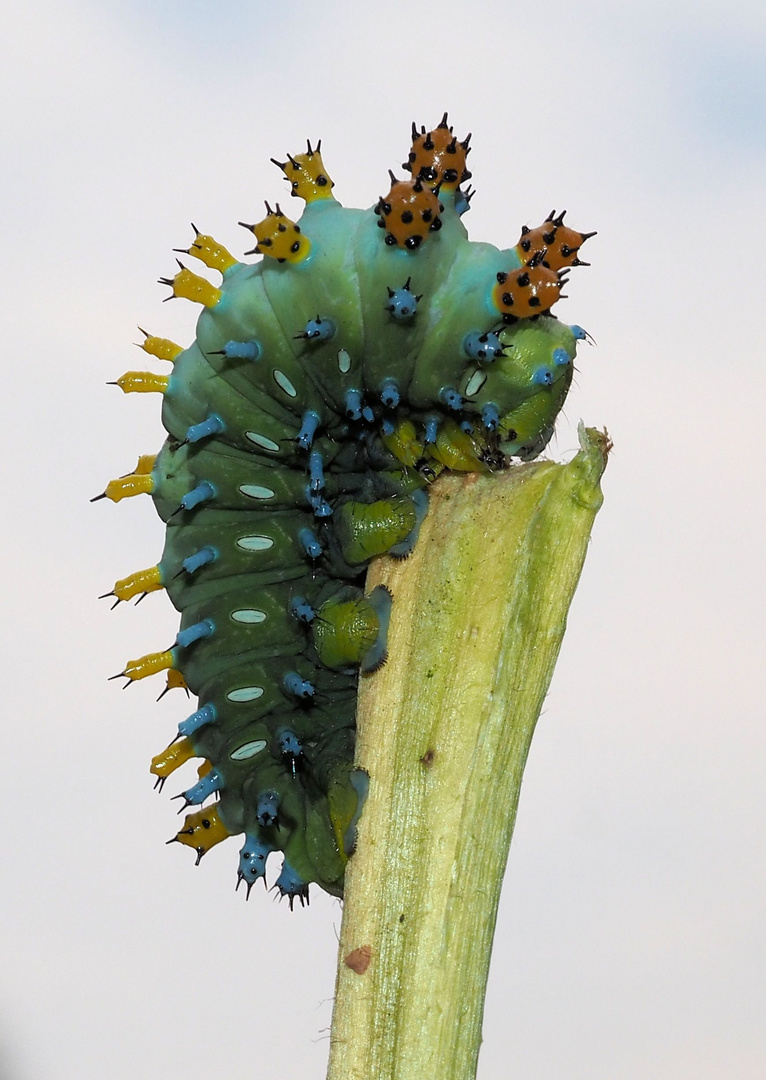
(329, 382)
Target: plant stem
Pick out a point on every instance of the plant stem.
(444, 730)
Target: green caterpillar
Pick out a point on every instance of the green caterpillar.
(327, 386)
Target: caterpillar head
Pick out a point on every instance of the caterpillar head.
(307, 175)
(555, 242)
(520, 393)
(437, 157)
(278, 237)
(408, 213)
(531, 290)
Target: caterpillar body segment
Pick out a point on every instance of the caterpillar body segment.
(328, 383)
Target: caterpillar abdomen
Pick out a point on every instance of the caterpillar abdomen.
(328, 384)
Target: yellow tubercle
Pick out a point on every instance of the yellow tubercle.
(162, 348)
(172, 758)
(143, 581)
(307, 175)
(148, 665)
(279, 237)
(191, 286)
(175, 681)
(403, 443)
(142, 382)
(204, 768)
(124, 487)
(210, 252)
(202, 831)
(145, 464)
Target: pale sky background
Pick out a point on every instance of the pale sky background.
(632, 939)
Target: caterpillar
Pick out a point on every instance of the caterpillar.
(328, 384)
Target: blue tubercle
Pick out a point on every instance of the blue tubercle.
(463, 201)
(210, 783)
(292, 885)
(578, 332)
(402, 303)
(543, 376)
(309, 425)
(319, 505)
(198, 719)
(267, 809)
(252, 862)
(290, 745)
(389, 394)
(353, 403)
(489, 416)
(432, 429)
(197, 632)
(318, 329)
(316, 472)
(213, 425)
(199, 494)
(310, 544)
(205, 555)
(452, 399)
(302, 610)
(298, 687)
(486, 347)
(242, 350)
(560, 357)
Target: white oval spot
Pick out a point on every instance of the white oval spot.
(249, 615)
(282, 381)
(475, 383)
(255, 543)
(262, 441)
(248, 750)
(344, 361)
(245, 693)
(256, 491)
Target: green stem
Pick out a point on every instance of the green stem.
(444, 731)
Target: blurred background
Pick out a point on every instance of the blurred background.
(631, 939)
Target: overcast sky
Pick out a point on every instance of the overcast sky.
(631, 939)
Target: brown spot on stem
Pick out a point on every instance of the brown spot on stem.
(428, 758)
(359, 959)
